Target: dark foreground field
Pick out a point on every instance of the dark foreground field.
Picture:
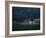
(20, 27)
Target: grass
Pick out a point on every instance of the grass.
(18, 27)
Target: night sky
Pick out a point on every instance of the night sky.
(22, 13)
